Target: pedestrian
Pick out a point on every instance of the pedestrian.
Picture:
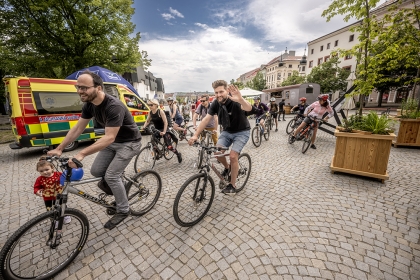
(121, 142)
(281, 109)
(47, 185)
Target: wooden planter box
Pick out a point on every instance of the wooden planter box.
(409, 133)
(362, 154)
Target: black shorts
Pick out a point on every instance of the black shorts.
(263, 117)
(274, 115)
(308, 120)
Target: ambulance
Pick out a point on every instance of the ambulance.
(42, 111)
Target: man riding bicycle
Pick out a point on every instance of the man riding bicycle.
(260, 109)
(316, 109)
(116, 148)
(274, 110)
(232, 111)
(301, 107)
(201, 112)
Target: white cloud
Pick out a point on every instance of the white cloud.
(193, 63)
(202, 25)
(175, 12)
(191, 31)
(167, 16)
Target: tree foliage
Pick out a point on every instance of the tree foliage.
(257, 83)
(368, 30)
(294, 79)
(239, 85)
(53, 38)
(329, 76)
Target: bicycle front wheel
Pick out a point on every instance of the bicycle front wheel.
(193, 200)
(200, 156)
(256, 136)
(290, 126)
(168, 154)
(143, 192)
(29, 253)
(244, 171)
(145, 159)
(307, 139)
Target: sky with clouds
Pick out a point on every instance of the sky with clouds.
(195, 42)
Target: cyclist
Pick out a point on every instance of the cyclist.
(158, 117)
(186, 110)
(232, 111)
(121, 142)
(201, 112)
(301, 107)
(274, 110)
(176, 116)
(316, 109)
(281, 108)
(260, 109)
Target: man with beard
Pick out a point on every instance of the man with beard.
(232, 111)
(116, 148)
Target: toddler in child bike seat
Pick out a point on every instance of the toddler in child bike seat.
(48, 185)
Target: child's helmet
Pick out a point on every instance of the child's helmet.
(76, 175)
(272, 99)
(302, 99)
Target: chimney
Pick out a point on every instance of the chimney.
(292, 53)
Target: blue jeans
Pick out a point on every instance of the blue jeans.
(238, 139)
(110, 164)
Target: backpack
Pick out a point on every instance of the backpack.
(168, 117)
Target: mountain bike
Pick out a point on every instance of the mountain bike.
(44, 246)
(270, 120)
(205, 139)
(153, 151)
(305, 134)
(258, 132)
(189, 131)
(196, 195)
(294, 123)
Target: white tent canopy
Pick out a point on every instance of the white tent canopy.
(250, 92)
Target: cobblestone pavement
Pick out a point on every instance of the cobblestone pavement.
(293, 220)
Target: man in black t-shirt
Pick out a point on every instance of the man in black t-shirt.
(232, 111)
(116, 148)
(281, 109)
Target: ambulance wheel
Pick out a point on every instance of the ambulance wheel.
(70, 147)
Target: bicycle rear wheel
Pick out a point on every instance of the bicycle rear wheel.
(145, 159)
(28, 255)
(290, 126)
(244, 171)
(168, 154)
(307, 139)
(266, 132)
(193, 200)
(256, 137)
(144, 192)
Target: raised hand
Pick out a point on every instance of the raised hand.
(235, 94)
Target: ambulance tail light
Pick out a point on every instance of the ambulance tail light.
(20, 126)
(24, 83)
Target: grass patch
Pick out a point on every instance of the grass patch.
(6, 136)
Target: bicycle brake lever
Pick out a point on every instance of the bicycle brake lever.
(77, 162)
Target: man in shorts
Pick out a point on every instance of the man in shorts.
(232, 111)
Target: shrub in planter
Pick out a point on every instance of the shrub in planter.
(409, 131)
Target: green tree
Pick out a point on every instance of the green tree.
(368, 30)
(257, 83)
(239, 85)
(329, 76)
(397, 50)
(294, 79)
(53, 38)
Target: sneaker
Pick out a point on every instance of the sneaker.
(230, 190)
(115, 220)
(292, 139)
(67, 220)
(284, 120)
(313, 146)
(276, 130)
(179, 157)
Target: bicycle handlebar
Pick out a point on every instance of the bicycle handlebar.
(63, 160)
(211, 148)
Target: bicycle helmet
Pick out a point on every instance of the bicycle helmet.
(76, 175)
(302, 99)
(323, 97)
(256, 98)
(170, 99)
(272, 99)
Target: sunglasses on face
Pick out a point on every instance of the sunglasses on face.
(83, 88)
(203, 101)
(149, 104)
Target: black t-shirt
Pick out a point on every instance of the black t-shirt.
(237, 117)
(281, 105)
(113, 113)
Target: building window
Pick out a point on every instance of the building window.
(309, 90)
(319, 61)
(302, 69)
(348, 56)
(348, 68)
(351, 38)
(311, 64)
(312, 51)
(336, 43)
(321, 48)
(326, 58)
(328, 46)
(290, 65)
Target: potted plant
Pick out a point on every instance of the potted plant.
(409, 131)
(363, 146)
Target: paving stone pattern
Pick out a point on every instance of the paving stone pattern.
(293, 220)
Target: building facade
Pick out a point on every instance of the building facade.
(146, 84)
